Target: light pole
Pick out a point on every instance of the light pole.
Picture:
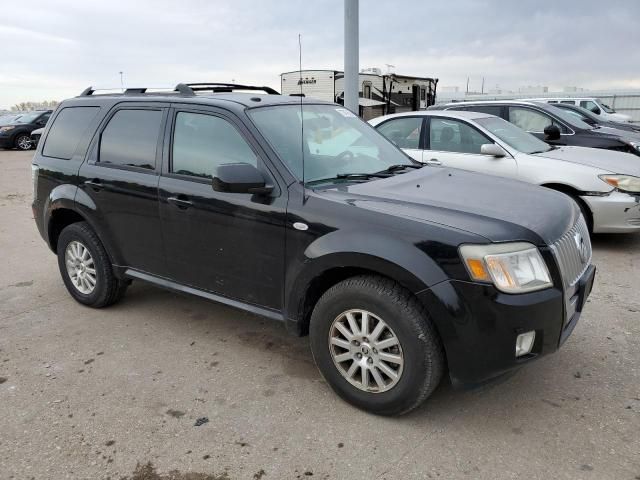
(351, 51)
(121, 81)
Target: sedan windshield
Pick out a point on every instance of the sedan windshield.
(513, 136)
(335, 142)
(28, 117)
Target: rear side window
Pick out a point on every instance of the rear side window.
(404, 132)
(68, 129)
(130, 139)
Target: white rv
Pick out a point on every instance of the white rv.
(379, 94)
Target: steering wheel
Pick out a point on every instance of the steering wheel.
(345, 157)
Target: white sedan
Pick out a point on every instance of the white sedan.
(605, 184)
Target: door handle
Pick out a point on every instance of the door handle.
(181, 203)
(433, 161)
(95, 184)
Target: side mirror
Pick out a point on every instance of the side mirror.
(240, 178)
(552, 132)
(492, 149)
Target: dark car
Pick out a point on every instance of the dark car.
(587, 116)
(399, 272)
(17, 133)
(545, 121)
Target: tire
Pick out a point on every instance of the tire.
(23, 142)
(419, 345)
(106, 289)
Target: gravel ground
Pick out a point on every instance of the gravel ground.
(202, 391)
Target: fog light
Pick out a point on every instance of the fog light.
(524, 343)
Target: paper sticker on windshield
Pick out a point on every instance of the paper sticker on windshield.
(345, 113)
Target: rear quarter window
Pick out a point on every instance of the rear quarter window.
(67, 130)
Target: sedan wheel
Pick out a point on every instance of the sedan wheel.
(23, 142)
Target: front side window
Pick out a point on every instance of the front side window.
(201, 143)
(404, 132)
(331, 139)
(67, 130)
(529, 120)
(130, 139)
(513, 136)
(590, 105)
(448, 135)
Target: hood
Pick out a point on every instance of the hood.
(612, 162)
(619, 117)
(627, 135)
(496, 208)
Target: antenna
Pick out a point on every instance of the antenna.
(301, 110)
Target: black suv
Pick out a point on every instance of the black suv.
(17, 133)
(297, 210)
(553, 125)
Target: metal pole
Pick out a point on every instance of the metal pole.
(351, 50)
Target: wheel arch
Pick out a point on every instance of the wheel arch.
(575, 194)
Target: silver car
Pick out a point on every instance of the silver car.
(605, 184)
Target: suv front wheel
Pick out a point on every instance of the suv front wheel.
(85, 267)
(375, 345)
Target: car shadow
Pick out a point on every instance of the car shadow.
(615, 241)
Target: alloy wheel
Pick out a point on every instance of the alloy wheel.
(80, 267)
(366, 351)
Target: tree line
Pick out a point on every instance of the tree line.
(28, 106)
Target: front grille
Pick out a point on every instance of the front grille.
(573, 253)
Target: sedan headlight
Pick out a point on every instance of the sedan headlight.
(6, 129)
(626, 183)
(512, 267)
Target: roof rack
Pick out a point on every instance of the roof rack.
(188, 89)
(192, 88)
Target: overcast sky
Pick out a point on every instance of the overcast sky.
(53, 49)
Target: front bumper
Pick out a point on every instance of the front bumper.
(6, 141)
(616, 212)
(479, 325)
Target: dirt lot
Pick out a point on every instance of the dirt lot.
(100, 393)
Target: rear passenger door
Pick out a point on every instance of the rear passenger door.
(120, 177)
(456, 143)
(231, 244)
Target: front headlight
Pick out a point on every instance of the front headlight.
(6, 129)
(512, 267)
(635, 145)
(626, 183)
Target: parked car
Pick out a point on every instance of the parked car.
(604, 184)
(397, 271)
(595, 105)
(17, 133)
(35, 137)
(551, 124)
(590, 118)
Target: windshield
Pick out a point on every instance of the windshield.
(570, 119)
(513, 136)
(335, 141)
(607, 108)
(28, 117)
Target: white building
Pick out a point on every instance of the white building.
(379, 94)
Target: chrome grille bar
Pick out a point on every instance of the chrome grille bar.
(573, 253)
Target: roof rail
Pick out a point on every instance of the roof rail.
(191, 88)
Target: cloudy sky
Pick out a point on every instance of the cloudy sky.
(53, 49)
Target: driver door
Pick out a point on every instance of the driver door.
(231, 244)
(455, 143)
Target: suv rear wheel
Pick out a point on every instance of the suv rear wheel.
(374, 344)
(85, 267)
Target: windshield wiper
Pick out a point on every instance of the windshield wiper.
(400, 166)
(349, 176)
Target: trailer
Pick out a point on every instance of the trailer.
(379, 94)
